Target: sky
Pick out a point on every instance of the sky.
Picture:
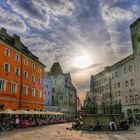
(84, 36)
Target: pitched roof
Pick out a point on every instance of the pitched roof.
(15, 42)
(56, 69)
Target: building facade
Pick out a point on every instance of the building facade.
(21, 75)
(119, 83)
(63, 92)
(79, 107)
(48, 90)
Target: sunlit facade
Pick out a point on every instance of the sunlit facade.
(21, 75)
(119, 83)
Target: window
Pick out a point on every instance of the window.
(39, 94)
(131, 99)
(125, 70)
(119, 93)
(25, 62)
(115, 86)
(132, 82)
(120, 101)
(48, 93)
(116, 74)
(33, 78)
(25, 90)
(7, 52)
(17, 57)
(33, 92)
(17, 71)
(53, 90)
(33, 66)
(14, 87)
(116, 94)
(130, 68)
(136, 98)
(102, 88)
(112, 76)
(7, 67)
(39, 80)
(118, 84)
(126, 84)
(2, 84)
(61, 97)
(126, 99)
(25, 75)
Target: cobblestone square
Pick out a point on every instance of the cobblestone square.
(60, 132)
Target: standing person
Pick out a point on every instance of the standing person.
(17, 122)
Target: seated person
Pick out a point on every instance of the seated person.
(112, 125)
(97, 126)
(124, 125)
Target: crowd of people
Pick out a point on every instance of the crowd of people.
(8, 124)
(112, 126)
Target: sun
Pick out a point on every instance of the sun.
(82, 62)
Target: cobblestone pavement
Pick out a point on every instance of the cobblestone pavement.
(60, 132)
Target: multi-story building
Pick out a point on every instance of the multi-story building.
(119, 83)
(79, 107)
(71, 94)
(63, 92)
(49, 106)
(21, 75)
(48, 90)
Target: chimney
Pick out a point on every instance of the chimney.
(16, 37)
(3, 30)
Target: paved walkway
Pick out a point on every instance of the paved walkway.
(59, 132)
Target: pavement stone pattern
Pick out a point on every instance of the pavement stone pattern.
(60, 132)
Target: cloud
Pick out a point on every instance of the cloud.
(11, 21)
(114, 14)
(60, 7)
(39, 13)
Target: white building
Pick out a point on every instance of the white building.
(119, 83)
(63, 92)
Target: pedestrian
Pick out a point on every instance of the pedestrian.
(17, 122)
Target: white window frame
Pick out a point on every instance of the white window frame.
(25, 90)
(25, 62)
(33, 78)
(33, 92)
(6, 49)
(39, 80)
(18, 72)
(25, 77)
(39, 94)
(8, 67)
(12, 87)
(33, 66)
(3, 88)
(17, 57)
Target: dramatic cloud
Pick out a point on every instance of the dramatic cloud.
(61, 30)
(11, 21)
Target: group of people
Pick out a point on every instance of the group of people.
(16, 123)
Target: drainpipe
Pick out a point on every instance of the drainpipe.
(20, 94)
